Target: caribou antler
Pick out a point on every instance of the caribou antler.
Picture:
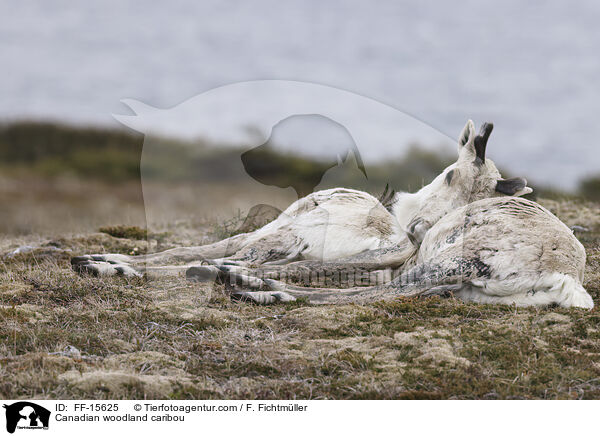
(482, 139)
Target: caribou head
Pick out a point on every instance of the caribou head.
(472, 177)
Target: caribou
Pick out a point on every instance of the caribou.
(467, 233)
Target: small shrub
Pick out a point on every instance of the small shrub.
(127, 232)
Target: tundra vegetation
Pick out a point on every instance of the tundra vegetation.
(63, 335)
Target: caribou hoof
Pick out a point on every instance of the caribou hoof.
(104, 265)
(204, 274)
(263, 298)
(416, 231)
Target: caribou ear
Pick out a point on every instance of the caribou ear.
(481, 141)
(516, 186)
(467, 135)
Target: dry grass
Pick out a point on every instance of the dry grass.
(174, 339)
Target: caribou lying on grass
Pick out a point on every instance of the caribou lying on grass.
(465, 233)
(342, 225)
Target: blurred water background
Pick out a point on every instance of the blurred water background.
(531, 67)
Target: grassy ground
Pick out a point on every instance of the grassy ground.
(67, 336)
